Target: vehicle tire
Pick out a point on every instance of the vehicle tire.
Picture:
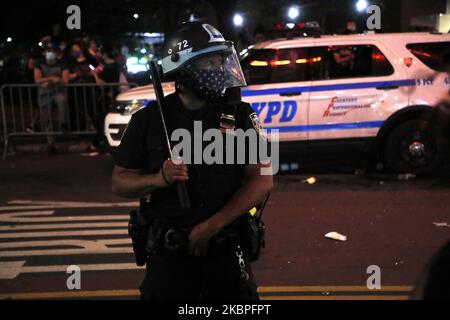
(415, 147)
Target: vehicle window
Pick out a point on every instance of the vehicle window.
(282, 65)
(352, 61)
(434, 55)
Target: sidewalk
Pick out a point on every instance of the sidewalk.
(35, 145)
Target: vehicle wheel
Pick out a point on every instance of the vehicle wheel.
(415, 147)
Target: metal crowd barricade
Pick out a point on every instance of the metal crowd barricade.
(69, 109)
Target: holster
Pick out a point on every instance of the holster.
(138, 229)
(252, 234)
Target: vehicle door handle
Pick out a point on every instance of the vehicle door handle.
(386, 87)
(291, 93)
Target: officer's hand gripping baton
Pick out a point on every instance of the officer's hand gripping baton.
(181, 186)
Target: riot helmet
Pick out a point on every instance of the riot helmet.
(201, 60)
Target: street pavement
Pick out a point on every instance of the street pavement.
(58, 211)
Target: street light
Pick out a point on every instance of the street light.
(238, 20)
(361, 5)
(9, 39)
(136, 16)
(293, 12)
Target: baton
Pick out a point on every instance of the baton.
(183, 195)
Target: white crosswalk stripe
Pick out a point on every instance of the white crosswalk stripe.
(61, 226)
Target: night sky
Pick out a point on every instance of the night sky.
(32, 20)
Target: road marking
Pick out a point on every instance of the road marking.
(63, 252)
(332, 288)
(33, 205)
(136, 293)
(71, 294)
(83, 267)
(72, 204)
(350, 297)
(30, 216)
(86, 244)
(10, 269)
(19, 235)
(65, 226)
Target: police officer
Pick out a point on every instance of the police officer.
(196, 252)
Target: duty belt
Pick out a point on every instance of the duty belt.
(173, 241)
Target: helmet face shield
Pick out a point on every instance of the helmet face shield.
(232, 67)
(216, 71)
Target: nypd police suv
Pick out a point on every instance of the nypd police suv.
(361, 94)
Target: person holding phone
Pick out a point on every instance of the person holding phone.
(83, 99)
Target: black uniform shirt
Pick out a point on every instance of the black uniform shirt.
(209, 186)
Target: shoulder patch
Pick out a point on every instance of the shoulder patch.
(257, 125)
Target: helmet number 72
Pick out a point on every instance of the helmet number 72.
(184, 43)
